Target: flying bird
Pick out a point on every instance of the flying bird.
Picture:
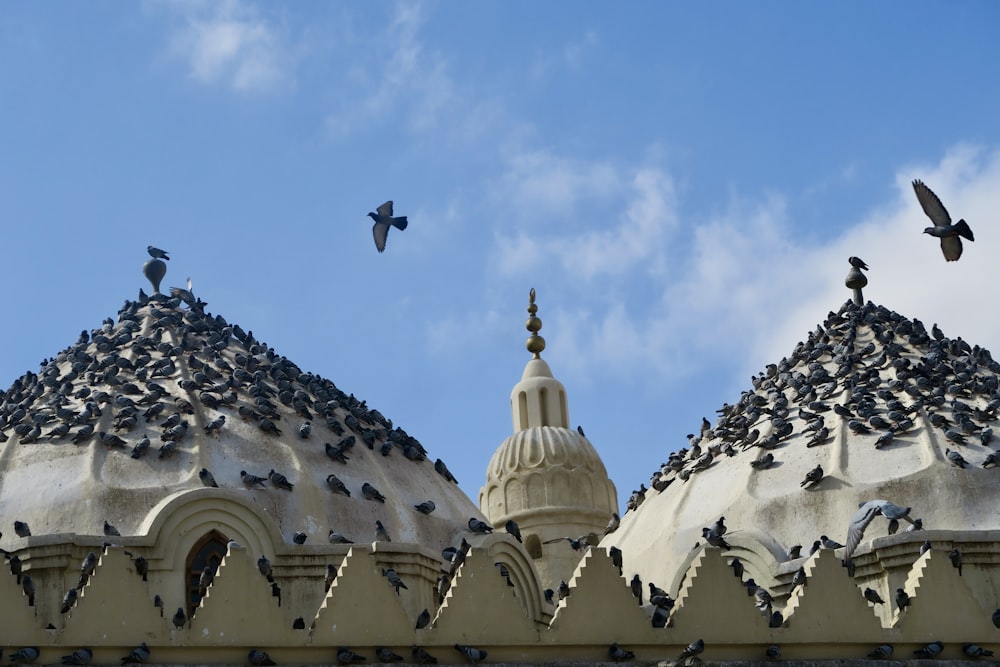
(864, 516)
(951, 243)
(383, 220)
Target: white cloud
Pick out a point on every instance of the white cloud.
(744, 288)
(229, 43)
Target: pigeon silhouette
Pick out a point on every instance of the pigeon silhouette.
(951, 244)
(156, 253)
(383, 220)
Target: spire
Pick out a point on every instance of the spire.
(538, 399)
(535, 343)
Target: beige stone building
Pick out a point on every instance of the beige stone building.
(148, 466)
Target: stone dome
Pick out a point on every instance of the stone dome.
(161, 375)
(874, 399)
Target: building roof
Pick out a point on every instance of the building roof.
(163, 374)
(872, 398)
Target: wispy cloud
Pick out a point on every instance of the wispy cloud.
(232, 44)
(744, 286)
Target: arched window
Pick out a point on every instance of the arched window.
(207, 552)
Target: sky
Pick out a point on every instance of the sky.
(681, 183)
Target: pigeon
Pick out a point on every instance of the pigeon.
(336, 485)
(299, 537)
(479, 527)
(612, 526)
(28, 587)
(765, 461)
(857, 263)
(138, 654)
(394, 579)
(714, 539)
(346, 656)
(828, 543)
(996, 618)
(180, 618)
(956, 458)
(576, 543)
(799, 578)
(423, 619)
(156, 253)
(794, 553)
(773, 652)
(206, 478)
(422, 657)
(636, 586)
(371, 493)
(24, 656)
(951, 244)
(955, 556)
(442, 470)
(81, 656)
(563, 590)
(89, 564)
(279, 480)
(336, 538)
(931, 650)
(866, 512)
(305, 429)
(141, 567)
(872, 596)
(264, 566)
(813, 477)
(619, 654)
(902, 599)
(475, 655)
(251, 480)
(738, 568)
(660, 616)
(974, 651)
(425, 507)
(259, 658)
(110, 531)
(880, 652)
(383, 219)
(925, 547)
(692, 649)
(68, 600)
(21, 528)
(381, 534)
(385, 655)
(616, 556)
(512, 528)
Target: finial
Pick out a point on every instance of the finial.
(535, 343)
(856, 279)
(155, 269)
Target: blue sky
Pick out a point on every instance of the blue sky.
(681, 183)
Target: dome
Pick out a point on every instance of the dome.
(550, 467)
(204, 394)
(874, 400)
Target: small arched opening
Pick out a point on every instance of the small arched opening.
(207, 552)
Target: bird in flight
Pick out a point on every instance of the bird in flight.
(383, 219)
(951, 243)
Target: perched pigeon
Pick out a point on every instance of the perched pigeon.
(81, 656)
(425, 507)
(955, 556)
(975, 651)
(423, 619)
(279, 480)
(346, 656)
(383, 219)
(619, 654)
(138, 654)
(956, 458)
(872, 596)
(336, 538)
(180, 618)
(28, 587)
(827, 543)
(259, 658)
(813, 477)
(475, 655)
(385, 655)
(773, 652)
(951, 244)
(110, 531)
(206, 478)
(21, 528)
(371, 493)
(251, 480)
(68, 601)
(737, 566)
(479, 527)
(612, 526)
(264, 566)
(156, 253)
(902, 599)
(381, 534)
(336, 485)
(931, 650)
(422, 657)
(394, 579)
(299, 537)
(880, 652)
(512, 528)
(692, 649)
(857, 263)
(24, 656)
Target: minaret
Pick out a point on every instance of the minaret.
(547, 477)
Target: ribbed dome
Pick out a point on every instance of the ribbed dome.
(165, 372)
(892, 397)
(530, 460)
